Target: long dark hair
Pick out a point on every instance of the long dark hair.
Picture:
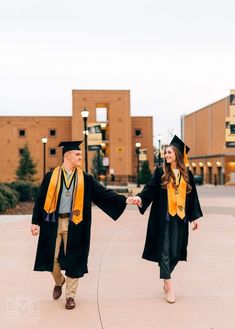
(168, 172)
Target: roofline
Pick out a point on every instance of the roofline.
(103, 90)
(203, 108)
(35, 116)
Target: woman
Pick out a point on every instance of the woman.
(173, 195)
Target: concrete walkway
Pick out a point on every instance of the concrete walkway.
(122, 291)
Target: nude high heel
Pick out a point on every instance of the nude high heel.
(170, 297)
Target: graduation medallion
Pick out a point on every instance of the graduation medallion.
(76, 212)
(181, 208)
(68, 181)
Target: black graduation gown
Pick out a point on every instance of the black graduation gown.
(155, 194)
(78, 242)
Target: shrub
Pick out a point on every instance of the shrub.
(8, 197)
(3, 203)
(145, 173)
(34, 191)
(27, 190)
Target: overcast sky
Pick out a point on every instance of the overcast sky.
(174, 56)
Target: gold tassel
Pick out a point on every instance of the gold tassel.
(185, 157)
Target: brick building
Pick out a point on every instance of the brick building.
(210, 133)
(108, 108)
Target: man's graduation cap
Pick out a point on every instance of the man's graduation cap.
(183, 148)
(70, 146)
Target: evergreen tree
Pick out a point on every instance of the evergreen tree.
(145, 173)
(155, 156)
(94, 168)
(26, 168)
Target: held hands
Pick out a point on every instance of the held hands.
(34, 229)
(134, 200)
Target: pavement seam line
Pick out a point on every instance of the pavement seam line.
(98, 280)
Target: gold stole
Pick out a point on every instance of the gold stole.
(177, 198)
(78, 194)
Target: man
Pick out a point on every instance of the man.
(63, 213)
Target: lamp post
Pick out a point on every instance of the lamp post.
(98, 162)
(105, 161)
(84, 115)
(137, 151)
(44, 141)
(159, 151)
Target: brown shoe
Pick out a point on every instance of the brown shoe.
(70, 303)
(58, 290)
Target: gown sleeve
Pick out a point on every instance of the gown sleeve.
(40, 200)
(149, 192)
(107, 200)
(194, 207)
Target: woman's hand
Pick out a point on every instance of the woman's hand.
(195, 224)
(34, 229)
(134, 200)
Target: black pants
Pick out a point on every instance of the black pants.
(170, 251)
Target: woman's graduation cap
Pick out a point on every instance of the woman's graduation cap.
(183, 148)
(70, 146)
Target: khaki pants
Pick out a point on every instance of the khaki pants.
(71, 283)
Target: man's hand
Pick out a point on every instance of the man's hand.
(135, 200)
(34, 229)
(195, 225)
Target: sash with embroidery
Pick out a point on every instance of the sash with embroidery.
(76, 214)
(177, 198)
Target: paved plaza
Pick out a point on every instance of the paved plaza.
(121, 290)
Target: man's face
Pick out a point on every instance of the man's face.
(75, 158)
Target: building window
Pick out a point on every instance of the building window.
(232, 99)
(52, 152)
(22, 132)
(52, 132)
(232, 129)
(138, 133)
(101, 114)
(21, 151)
(103, 135)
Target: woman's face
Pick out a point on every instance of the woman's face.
(170, 155)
